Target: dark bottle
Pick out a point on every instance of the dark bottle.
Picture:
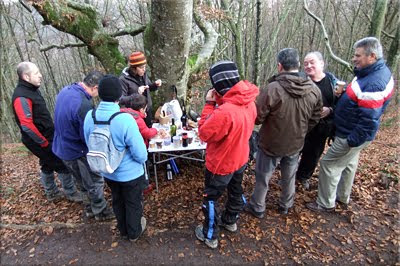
(185, 141)
(172, 129)
(184, 119)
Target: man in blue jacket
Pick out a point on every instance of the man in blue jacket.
(72, 104)
(357, 118)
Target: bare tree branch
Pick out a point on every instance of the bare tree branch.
(128, 31)
(25, 6)
(62, 46)
(388, 35)
(326, 38)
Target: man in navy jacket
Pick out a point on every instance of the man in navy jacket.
(357, 118)
(72, 104)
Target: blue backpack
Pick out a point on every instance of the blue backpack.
(103, 157)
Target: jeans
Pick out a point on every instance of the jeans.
(337, 170)
(127, 203)
(215, 185)
(90, 183)
(49, 163)
(265, 167)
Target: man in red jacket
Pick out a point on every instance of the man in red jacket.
(226, 125)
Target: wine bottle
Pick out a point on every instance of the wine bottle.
(172, 130)
(184, 119)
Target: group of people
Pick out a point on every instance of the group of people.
(297, 113)
(62, 146)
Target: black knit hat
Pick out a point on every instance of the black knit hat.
(224, 75)
(110, 89)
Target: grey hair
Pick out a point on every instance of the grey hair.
(289, 59)
(370, 45)
(93, 78)
(24, 68)
(317, 54)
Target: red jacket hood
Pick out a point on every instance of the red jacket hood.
(242, 93)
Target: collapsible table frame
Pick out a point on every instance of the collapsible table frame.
(170, 152)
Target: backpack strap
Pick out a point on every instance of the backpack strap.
(135, 115)
(96, 122)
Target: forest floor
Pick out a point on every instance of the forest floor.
(35, 231)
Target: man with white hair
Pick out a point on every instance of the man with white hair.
(357, 118)
(37, 132)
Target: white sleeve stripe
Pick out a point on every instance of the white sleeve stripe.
(376, 96)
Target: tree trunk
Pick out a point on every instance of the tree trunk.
(167, 43)
(378, 18)
(256, 74)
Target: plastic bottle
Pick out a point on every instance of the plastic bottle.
(169, 172)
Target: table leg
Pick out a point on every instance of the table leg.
(155, 170)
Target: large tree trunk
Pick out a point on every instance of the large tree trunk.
(378, 18)
(167, 43)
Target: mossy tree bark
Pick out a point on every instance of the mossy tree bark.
(167, 43)
(378, 18)
(83, 22)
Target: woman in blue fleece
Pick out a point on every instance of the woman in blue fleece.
(127, 181)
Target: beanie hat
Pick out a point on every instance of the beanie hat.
(224, 75)
(110, 89)
(137, 59)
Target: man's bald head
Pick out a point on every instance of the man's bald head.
(29, 72)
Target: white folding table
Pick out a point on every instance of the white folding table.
(173, 152)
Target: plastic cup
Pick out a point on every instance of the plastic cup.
(340, 86)
(190, 138)
(167, 142)
(176, 141)
(152, 144)
(159, 144)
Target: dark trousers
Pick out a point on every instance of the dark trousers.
(127, 203)
(215, 185)
(314, 146)
(48, 161)
(90, 183)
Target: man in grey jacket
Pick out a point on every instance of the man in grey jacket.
(287, 109)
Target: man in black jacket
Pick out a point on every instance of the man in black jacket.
(37, 131)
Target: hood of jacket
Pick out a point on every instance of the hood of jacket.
(242, 93)
(296, 84)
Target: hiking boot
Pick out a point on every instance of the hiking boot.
(75, 197)
(342, 205)
(143, 223)
(148, 189)
(306, 184)
(256, 214)
(104, 215)
(211, 243)
(55, 196)
(314, 206)
(229, 227)
(88, 211)
(283, 210)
